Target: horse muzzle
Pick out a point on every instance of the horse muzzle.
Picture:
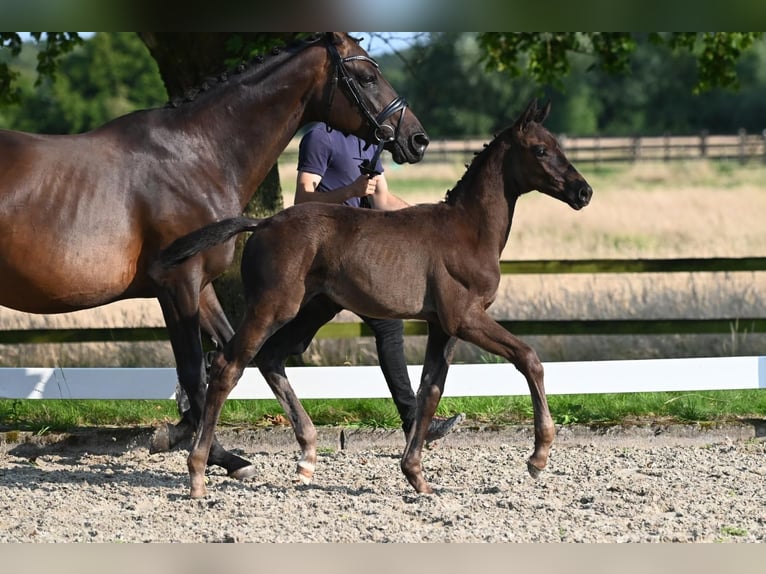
(581, 196)
(411, 150)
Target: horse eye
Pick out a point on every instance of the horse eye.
(540, 151)
(367, 79)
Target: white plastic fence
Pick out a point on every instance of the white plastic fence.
(651, 375)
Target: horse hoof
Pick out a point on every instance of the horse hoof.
(160, 441)
(534, 472)
(243, 473)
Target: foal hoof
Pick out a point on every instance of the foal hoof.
(534, 472)
(305, 473)
(195, 494)
(243, 473)
(160, 441)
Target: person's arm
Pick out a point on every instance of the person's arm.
(383, 199)
(307, 183)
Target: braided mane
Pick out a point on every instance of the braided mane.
(213, 81)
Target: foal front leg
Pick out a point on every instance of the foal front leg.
(439, 351)
(483, 331)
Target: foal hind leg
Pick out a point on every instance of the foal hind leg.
(259, 322)
(303, 426)
(293, 339)
(439, 350)
(483, 331)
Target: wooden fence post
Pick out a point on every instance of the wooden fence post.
(703, 144)
(741, 147)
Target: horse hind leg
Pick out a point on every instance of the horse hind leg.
(184, 328)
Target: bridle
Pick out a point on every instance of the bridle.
(382, 133)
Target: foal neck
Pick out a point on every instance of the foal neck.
(486, 196)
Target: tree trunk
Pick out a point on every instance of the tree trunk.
(185, 59)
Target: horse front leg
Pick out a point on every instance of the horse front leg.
(439, 350)
(483, 331)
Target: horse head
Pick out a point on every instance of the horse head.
(538, 162)
(361, 101)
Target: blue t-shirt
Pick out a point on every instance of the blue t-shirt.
(334, 157)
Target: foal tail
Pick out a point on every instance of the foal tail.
(204, 238)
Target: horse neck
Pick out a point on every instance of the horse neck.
(487, 198)
(246, 123)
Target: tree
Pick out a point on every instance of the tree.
(545, 56)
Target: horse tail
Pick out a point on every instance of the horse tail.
(205, 238)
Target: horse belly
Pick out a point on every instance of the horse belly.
(59, 277)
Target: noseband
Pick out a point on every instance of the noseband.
(382, 133)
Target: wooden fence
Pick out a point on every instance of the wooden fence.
(339, 330)
(741, 147)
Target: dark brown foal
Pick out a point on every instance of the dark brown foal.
(438, 263)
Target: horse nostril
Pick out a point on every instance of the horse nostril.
(585, 194)
(419, 142)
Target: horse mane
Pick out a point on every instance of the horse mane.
(479, 159)
(213, 81)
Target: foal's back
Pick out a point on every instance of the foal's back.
(376, 263)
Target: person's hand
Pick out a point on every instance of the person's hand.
(364, 185)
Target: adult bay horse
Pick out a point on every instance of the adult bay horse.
(83, 216)
(438, 262)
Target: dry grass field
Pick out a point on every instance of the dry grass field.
(645, 210)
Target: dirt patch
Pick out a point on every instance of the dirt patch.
(618, 484)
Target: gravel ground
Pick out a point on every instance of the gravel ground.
(640, 484)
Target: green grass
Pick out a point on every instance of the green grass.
(606, 409)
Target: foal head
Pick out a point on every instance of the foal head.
(537, 162)
(360, 100)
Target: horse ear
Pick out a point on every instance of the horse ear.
(335, 38)
(543, 113)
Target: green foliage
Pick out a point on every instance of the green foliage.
(52, 46)
(459, 84)
(545, 56)
(109, 75)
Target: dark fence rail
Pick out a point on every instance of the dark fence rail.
(741, 147)
(339, 330)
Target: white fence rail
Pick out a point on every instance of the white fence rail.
(496, 379)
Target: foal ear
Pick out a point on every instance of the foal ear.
(528, 116)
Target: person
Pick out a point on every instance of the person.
(328, 171)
